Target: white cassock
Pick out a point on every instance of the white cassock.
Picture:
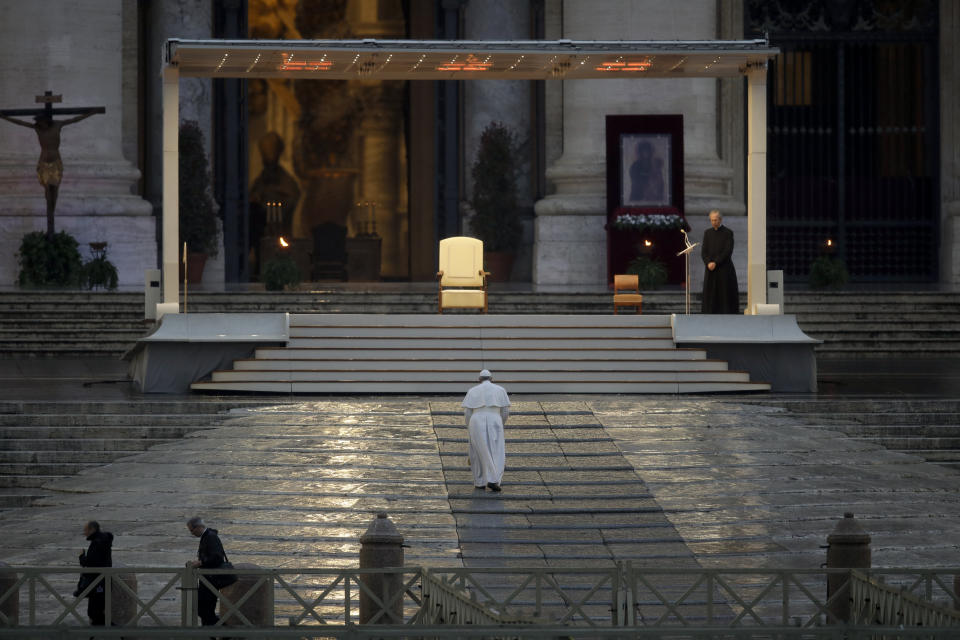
(485, 408)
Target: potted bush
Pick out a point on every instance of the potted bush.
(52, 262)
(198, 219)
(99, 272)
(828, 272)
(494, 201)
(280, 273)
(651, 274)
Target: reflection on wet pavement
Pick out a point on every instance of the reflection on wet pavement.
(659, 481)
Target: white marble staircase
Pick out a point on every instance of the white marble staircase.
(436, 354)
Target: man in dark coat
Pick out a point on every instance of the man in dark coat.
(210, 555)
(720, 293)
(98, 554)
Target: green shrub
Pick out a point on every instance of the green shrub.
(496, 217)
(198, 220)
(280, 272)
(651, 274)
(53, 263)
(99, 272)
(828, 272)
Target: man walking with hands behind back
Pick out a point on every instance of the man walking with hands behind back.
(485, 408)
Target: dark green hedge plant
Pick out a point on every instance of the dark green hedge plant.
(198, 219)
(280, 272)
(828, 272)
(496, 217)
(651, 274)
(53, 263)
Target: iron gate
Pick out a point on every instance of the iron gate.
(852, 136)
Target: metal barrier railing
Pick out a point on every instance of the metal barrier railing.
(539, 632)
(676, 601)
(878, 603)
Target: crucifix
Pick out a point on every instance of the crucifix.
(50, 165)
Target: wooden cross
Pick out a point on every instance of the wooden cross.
(47, 99)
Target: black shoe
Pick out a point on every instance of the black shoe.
(480, 488)
(494, 487)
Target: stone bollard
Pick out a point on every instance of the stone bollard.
(124, 607)
(848, 547)
(258, 608)
(10, 607)
(381, 547)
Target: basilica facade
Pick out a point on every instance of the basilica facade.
(862, 127)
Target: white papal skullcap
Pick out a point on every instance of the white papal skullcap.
(486, 374)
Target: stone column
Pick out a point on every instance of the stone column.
(71, 47)
(570, 246)
(177, 19)
(506, 101)
(380, 174)
(757, 187)
(949, 143)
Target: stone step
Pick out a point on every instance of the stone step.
(281, 353)
(100, 420)
(878, 335)
(895, 418)
(914, 444)
(903, 430)
(167, 407)
(47, 457)
(475, 364)
(82, 443)
(14, 498)
(60, 469)
(902, 347)
(69, 334)
(71, 433)
(456, 388)
(511, 378)
(29, 480)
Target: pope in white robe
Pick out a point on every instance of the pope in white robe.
(485, 408)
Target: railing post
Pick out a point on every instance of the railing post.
(32, 599)
(258, 607)
(381, 547)
(108, 599)
(9, 606)
(188, 597)
(848, 547)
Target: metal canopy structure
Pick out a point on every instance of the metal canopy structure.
(471, 60)
(464, 59)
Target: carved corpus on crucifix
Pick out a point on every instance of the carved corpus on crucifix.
(50, 165)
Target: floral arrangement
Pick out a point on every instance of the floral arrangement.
(648, 221)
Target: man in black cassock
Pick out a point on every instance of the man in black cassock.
(720, 292)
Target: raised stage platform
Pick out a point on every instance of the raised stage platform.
(438, 354)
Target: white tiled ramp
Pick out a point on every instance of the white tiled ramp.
(410, 353)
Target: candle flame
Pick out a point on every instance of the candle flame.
(647, 243)
(284, 243)
(829, 242)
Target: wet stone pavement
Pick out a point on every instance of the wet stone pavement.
(660, 481)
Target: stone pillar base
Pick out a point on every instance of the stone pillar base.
(570, 253)
(131, 242)
(950, 244)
